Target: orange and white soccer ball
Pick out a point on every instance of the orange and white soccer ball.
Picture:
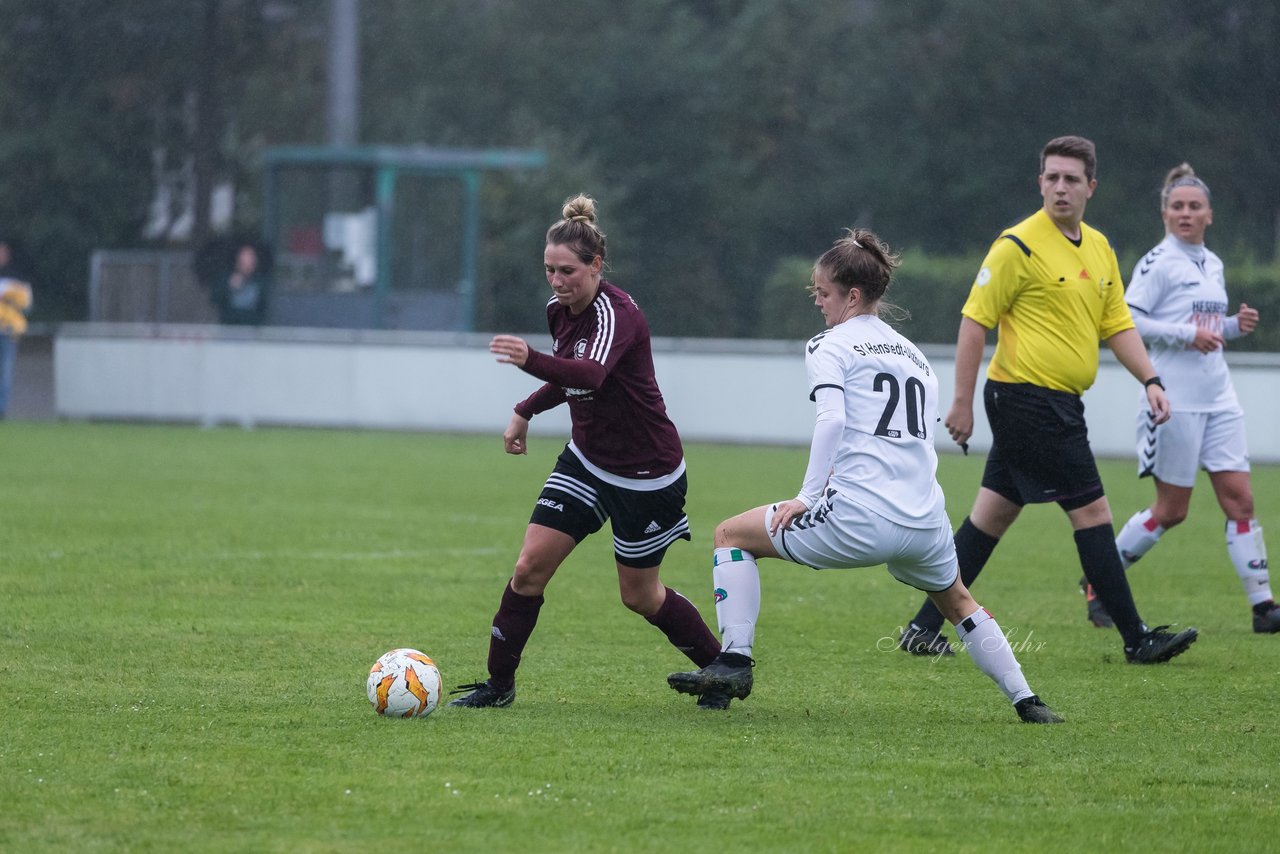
(404, 683)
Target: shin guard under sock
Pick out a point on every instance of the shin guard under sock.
(512, 626)
(990, 650)
(1138, 536)
(680, 621)
(1249, 556)
(737, 591)
(1100, 561)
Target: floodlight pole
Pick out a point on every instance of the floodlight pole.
(342, 97)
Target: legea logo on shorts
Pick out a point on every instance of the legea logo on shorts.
(547, 502)
(984, 276)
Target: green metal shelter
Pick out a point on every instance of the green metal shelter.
(377, 236)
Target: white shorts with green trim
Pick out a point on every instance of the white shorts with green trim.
(840, 534)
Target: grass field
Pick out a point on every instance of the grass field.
(187, 618)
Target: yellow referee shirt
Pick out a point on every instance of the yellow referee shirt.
(1053, 302)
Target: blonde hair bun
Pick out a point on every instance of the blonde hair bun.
(580, 208)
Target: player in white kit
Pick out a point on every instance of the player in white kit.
(870, 494)
(1178, 298)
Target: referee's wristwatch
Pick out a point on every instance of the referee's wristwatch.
(1153, 381)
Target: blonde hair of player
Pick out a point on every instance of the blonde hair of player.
(1182, 175)
(577, 229)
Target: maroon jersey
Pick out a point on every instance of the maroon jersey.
(602, 363)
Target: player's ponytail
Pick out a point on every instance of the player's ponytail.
(862, 260)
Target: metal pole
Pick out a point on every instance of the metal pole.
(386, 190)
(271, 208)
(470, 244)
(342, 107)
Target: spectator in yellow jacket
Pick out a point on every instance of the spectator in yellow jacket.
(15, 302)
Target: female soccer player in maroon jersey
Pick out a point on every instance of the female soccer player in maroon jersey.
(624, 461)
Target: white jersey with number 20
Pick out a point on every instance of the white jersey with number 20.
(886, 459)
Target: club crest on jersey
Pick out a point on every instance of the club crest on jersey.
(984, 276)
(580, 349)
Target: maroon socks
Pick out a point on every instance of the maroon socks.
(512, 626)
(517, 615)
(680, 621)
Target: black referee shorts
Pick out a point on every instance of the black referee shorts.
(1040, 446)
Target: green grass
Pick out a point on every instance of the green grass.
(187, 618)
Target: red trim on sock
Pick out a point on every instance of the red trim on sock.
(1243, 526)
(1151, 524)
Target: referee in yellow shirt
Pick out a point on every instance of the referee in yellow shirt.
(1052, 285)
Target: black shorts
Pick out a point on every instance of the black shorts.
(1040, 446)
(645, 523)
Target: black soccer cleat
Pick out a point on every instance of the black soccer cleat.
(918, 640)
(714, 700)
(729, 675)
(483, 696)
(1095, 611)
(1267, 622)
(1032, 710)
(1158, 646)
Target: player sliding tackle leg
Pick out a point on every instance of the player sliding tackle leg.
(737, 591)
(870, 493)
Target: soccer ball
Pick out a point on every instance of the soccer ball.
(404, 683)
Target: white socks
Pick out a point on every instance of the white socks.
(989, 649)
(1137, 537)
(737, 591)
(1245, 547)
(1249, 554)
(737, 582)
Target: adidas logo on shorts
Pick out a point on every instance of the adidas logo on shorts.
(653, 528)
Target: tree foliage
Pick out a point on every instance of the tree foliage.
(724, 139)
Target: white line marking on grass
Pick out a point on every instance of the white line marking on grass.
(394, 554)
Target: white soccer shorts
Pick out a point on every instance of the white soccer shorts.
(1189, 441)
(840, 534)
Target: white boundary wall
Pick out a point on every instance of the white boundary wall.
(716, 390)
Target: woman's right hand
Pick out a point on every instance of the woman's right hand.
(784, 513)
(510, 349)
(1206, 340)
